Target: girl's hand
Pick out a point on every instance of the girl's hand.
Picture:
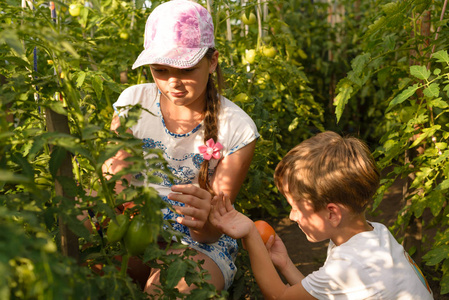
(197, 205)
(277, 251)
(224, 217)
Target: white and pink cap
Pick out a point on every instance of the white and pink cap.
(178, 33)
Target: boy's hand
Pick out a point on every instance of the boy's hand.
(224, 217)
(197, 205)
(277, 251)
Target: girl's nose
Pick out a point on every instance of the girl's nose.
(174, 82)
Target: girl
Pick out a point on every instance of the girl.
(207, 140)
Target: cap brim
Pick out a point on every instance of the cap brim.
(182, 61)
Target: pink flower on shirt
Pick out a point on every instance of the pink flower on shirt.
(210, 150)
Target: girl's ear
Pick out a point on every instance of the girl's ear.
(213, 62)
(334, 214)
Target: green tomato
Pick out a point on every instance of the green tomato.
(74, 10)
(242, 97)
(138, 236)
(124, 35)
(117, 228)
(250, 20)
(268, 51)
(250, 56)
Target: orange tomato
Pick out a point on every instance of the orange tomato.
(265, 230)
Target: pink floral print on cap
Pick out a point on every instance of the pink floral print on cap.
(178, 33)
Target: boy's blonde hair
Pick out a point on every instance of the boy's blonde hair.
(328, 168)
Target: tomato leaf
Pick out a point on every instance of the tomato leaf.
(432, 90)
(344, 93)
(404, 95)
(425, 133)
(436, 255)
(441, 56)
(175, 272)
(420, 72)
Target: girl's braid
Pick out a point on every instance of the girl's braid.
(210, 119)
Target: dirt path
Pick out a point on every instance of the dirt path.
(309, 257)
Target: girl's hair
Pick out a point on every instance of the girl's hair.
(328, 168)
(213, 94)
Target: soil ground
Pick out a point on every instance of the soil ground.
(309, 257)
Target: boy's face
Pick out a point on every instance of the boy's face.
(313, 224)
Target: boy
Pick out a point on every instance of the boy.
(329, 181)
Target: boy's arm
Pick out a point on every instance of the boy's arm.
(279, 256)
(237, 225)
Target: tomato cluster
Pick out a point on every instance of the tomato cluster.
(136, 233)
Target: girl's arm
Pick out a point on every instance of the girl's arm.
(231, 171)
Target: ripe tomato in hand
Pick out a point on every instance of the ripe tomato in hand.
(138, 236)
(265, 230)
(116, 230)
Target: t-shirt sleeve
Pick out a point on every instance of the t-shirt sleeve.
(137, 94)
(237, 128)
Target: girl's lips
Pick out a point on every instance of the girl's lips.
(178, 94)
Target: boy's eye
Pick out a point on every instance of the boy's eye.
(189, 70)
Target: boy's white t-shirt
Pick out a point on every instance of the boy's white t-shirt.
(370, 265)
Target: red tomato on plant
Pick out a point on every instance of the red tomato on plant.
(265, 230)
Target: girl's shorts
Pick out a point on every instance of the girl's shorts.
(223, 252)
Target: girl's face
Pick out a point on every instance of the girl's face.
(185, 87)
(312, 223)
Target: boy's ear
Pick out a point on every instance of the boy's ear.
(334, 214)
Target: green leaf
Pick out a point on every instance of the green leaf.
(436, 255)
(441, 56)
(90, 132)
(175, 272)
(27, 168)
(404, 95)
(424, 134)
(97, 83)
(12, 40)
(444, 185)
(70, 49)
(57, 156)
(57, 107)
(420, 72)
(8, 176)
(344, 93)
(438, 102)
(436, 201)
(432, 90)
(80, 79)
(200, 294)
